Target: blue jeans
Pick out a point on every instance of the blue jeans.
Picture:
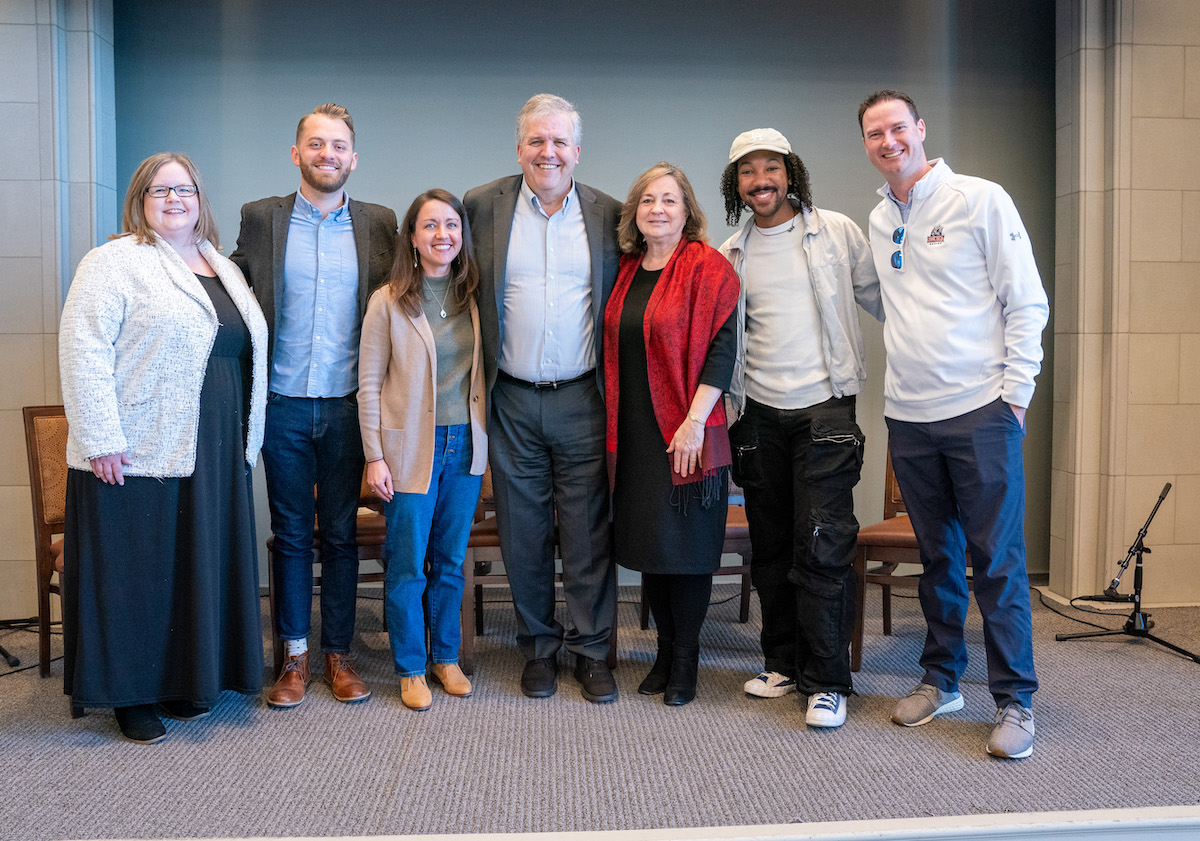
(426, 541)
(307, 442)
(963, 481)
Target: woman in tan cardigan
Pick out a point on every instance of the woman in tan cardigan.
(421, 406)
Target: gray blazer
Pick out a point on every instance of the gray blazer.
(490, 211)
(262, 244)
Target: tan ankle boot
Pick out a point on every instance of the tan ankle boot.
(414, 692)
(452, 679)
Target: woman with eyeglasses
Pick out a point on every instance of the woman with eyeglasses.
(422, 409)
(162, 354)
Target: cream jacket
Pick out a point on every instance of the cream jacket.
(133, 346)
(397, 393)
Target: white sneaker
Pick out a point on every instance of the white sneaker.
(826, 709)
(770, 685)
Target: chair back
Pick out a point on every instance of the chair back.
(893, 503)
(46, 444)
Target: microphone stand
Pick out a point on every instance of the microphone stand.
(1139, 623)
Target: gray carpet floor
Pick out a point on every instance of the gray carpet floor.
(1118, 726)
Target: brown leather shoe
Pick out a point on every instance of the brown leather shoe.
(415, 694)
(347, 684)
(288, 690)
(452, 679)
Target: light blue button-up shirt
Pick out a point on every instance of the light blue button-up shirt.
(547, 312)
(316, 344)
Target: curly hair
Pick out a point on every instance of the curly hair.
(799, 188)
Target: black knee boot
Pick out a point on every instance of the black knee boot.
(681, 687)
(656, 681)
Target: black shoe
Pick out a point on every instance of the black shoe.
(539, 678)
(184, 710)
(656, 681)
(681, 686)
(595, 680)
(140, 724)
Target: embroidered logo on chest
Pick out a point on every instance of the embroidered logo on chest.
(936, 237)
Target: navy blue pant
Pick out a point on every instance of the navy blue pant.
(963, 483)
(311, 441)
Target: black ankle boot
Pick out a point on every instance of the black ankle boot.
(140, 724)
(660, 672)
(681, 686)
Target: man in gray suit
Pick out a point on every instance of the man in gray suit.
(547, 252)
(312, 259)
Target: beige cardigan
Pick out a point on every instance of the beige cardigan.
(397, 393)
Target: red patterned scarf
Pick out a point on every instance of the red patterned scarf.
(695, 295)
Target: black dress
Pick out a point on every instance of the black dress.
(654, 531)
(161, 575)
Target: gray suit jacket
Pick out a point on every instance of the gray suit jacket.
(262, 244)
(490, 211)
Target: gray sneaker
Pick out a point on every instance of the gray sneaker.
(1012, 737)
(923, 703)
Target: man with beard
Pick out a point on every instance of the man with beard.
(313, 258)
(797, 448)
(547, 252)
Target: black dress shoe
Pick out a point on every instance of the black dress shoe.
(140, 724)
(184, 710)
(539, 678)
(596, 680)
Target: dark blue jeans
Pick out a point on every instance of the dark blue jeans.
(963, 482)
(800, 506)
(426, 542)
(314, 441)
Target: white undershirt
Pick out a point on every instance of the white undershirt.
(785, 362)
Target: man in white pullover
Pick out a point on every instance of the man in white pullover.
(965, 313)
(798, 450)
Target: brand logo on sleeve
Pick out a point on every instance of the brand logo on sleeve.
(936, 237)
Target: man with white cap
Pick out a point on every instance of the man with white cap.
(797, 448)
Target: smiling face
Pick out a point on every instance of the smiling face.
(661, 212)
(895, 144)
(437, 235)
(763, 185)
(172, 218)
(325, 154)
(548, 154)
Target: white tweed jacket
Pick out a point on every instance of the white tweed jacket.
(133, 346)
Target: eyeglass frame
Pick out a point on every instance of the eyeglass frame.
(195, 191)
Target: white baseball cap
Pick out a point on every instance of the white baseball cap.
(760, 138)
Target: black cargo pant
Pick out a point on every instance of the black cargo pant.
(799, 468)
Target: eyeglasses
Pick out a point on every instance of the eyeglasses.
(184, 191)
(898, 255)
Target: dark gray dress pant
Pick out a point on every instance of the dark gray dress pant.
(546, 448)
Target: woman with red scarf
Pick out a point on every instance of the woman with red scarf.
(669, 346)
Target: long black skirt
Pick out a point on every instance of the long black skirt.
(161, 594)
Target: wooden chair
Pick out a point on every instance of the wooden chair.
(46, 445)
(888, 544)
(737, 542)
(486, 535)
(371, 535)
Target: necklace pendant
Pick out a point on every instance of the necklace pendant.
(443, 313)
